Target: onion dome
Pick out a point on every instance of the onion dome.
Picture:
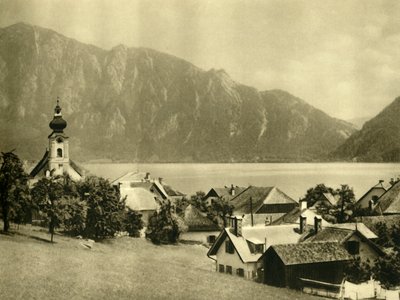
(58, 123)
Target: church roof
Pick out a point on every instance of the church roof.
(41, 164)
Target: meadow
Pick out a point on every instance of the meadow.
(121, 268)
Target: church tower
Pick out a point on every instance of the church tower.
(56, 160)
(58, 143)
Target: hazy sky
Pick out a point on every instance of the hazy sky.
(340, 56)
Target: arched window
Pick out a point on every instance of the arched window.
(59, 152)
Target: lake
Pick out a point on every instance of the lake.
(292, 178)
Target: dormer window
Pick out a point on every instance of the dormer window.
(59, 152)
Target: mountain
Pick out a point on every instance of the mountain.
(140, 104)
(378, 140)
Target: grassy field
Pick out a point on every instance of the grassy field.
(123, 268)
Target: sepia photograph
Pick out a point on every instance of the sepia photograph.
(199, 149)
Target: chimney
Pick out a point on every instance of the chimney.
(317, 224)
(232, 190)
(239, 226)
(251, 211)
(371, 204)
(147, 177)
(381, 181)
(303, 223)
(303, 204)
(160, 179)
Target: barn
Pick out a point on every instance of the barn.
(287, 264)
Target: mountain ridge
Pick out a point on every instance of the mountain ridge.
(139, 104)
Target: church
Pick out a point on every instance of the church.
(56, 159)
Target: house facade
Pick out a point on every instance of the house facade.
(370, 198)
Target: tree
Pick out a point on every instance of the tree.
(75, 210)
(387, 269)
(346, 201)
(219, 209)
(14, 190)
(47, 194)
(197, 201)
(164, 226)
(357, 271)
(133, 222)
(105, 208)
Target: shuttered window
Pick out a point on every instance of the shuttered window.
(240, 272)
(229, 270)
(221, 269)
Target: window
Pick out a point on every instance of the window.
(229, 270)
(221, 268)
(59, 152)
(240, 272)
(353, 247)
(229, 247)
(211, 239)
(259, 248)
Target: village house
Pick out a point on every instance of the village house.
(225, 193)
(262, 205)
(389, 202)
(370, 198)
(56, 159)
(238, 248)
(327, 201)
(297, 265)
(199, 228)
(299, 213)
(356, 238)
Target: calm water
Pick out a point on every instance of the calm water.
(293, 178)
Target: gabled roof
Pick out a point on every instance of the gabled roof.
(171, 192)
(389, 202)
(139, 198)
(44, 162)
(130, 177)
(150, 186)
(269, 235)
(331, 198)
(372, 221)
(196, 221)
(379, 186)
(308, 253)
(40, 165)
(342, 232)
(259, 196)
(294, 217)
(225, 192)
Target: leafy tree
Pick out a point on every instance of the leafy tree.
(197, 201)
(14, 190)
(47, 194)
(74, 215)
(358, 271)
(133, 222)
(105, 209)
(218, 211)
(164, 226)
(387, 269)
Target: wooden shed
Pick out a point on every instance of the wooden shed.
(285, 265)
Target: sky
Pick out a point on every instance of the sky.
(339, 56)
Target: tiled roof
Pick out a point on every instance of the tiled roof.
(171, 192)
(226, 192)
(341, 232)
(130, 177)
(372, 221)
(272, 235)
(139, 198)
(196, 221)
(378, 186)
(331, 234)
(307, 253)
(332, 199)
(260, 219)
(294, 217)
(41, 164)
(389, 202)
(259, 196)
